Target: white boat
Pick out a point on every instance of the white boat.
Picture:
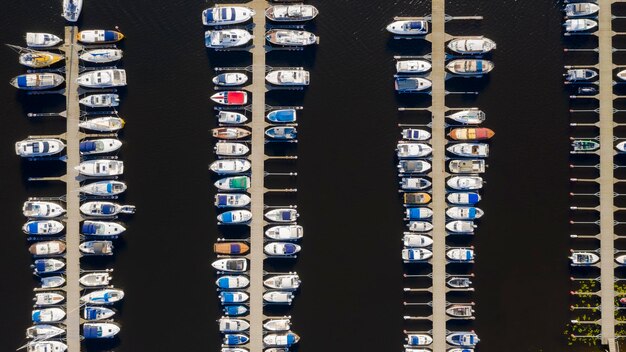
(470, 67)
(223, 148)
(71, 9)
(410, 84)
(413, 150)
(283, 324)
(465, 182)
(476, 150)
(581, 9)
(469, 116)
(101, 228)
(232, 282)
(462, 311)
(285, 232)
(414, 134)
(108, 78)
(100, 56)
(465, 255)
(99, 146)
(413, 66)
(230, 166)
(231, 265)
(236, 183)
(230, 297)
(231, 200)
(99, 36)
(281, 249)
(463, 198)
(104, 188)
(416, 254)
(416, 240)
(413, 166)
(278, 297)
(464, 213)
(96, 247)
(622, 75)
(101, 100)
(101, 167)
(461, 226)
(45, 266)
(291, 13)
(580, 25)
(420, 226)
(43, 227)
(227, 325)
(100, 330)
(463, 339)
(226, 38)
(97, 313)
(471, 45)
(95, 279)
(234, 217)
(459, 282)
(41, 209)
(418, 340)
(37, 81)
(621, 259)
(418, 213)
(32, 148)
(105, 296)
(287, 339)
(408, 27)
(230, 79)
(48, 298)
(287, 282)
(467, 166)
(38, 59)
(48, 315)
(580, 74)
(52, 282)
(41, 40)
(291, 37)
(282, 215)
(103, 124)
(46, 248)
(580, 258)
(290, 77)
(105, 209)
(226, 15)
(42, 332)
(414, 183)
(46, 346)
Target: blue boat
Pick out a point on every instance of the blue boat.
(232, 282)
(234, 217)
(235, 310)
(235, 339)
(37, 81)
(463, 198)
(281, 132)
(100, 330)
(464, 339)
(233, 297)
(97, 313)
(418, 213)
(282, 116)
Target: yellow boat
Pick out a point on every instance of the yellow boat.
(39, 59)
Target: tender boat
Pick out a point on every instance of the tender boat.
(95, 279)
(584, 145)
(39, 59)
(226, 15)
(101, 167)
(99, 146)
(414, 183)
(47, 248)
(291, 77)
(52, 282)
(278, 297)
(226, 38)
(99, 36)
(416, 254)
(464, 213)
(580, 25)
(463, 339)
(233, 325)
(40, 209)
(232, 282)
(105, 209)
(460, 311)
(106, 296)
(96, 247)
(101, 100)
(416, 240)
(281, 132)
(33, 148)
(283, 282)
(46, 346)
(230, 97)
(48, 315)
(235, 339)
(461, 226)
(282, 116)
(101, 228)
(43, 227)
(230, 166)
(290, 37)
(37, 81)
(281, 249)
(465, 182)
(475, 166)
(470, 67)
(414, 134)
(285, 232)
(71, 9)
(583, 258)
(230, 79)
(287, 339)
(238, 265)
(459, 282)
(621, 259)
(472, 150)
(103, 124)
(416, 198)
(469, 117)
(282, 215)
(460, 255)
(48, 298)
(230, 248)
(413, 150)
(418, 213)
(97, 313)
(42, 332)
(108, 78)
(235, 310)
(413, 66)
(283, 324)
(581, 9)
(419, 226)
(471, 45)
(100, 56)
(236, 183)
(580, 74)
(231, 200)
(41, 40)
(223, 148)
(100, 330)
(291, 13)
(233, 297)
(234, 217)
(230, 133)
(412, 84)
(587, 90)
(413, 166)
(418, 340)
(408, 27)
(104, 188)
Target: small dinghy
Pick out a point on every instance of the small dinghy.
(413, 166)
(465, 255)
(233, 118)
(587, 90)
(43, 227)
(416, 254)
(282, 116)
(226, 15)
(231, 264)
(39, 59)
(418, 213)
(467, 166)
(236, 183)
(230, 248)
(231, 200)
(414, 183)
(461, 226)
(471, 134)
(99, 36)
(291, 13)
(281, 249)
(413, 66)
(412, 240)
(47, 248)
(412, 84)
(99, 146)
(223, 148)
(464, 213)
(408, 27)
(230, 79)
(281, 132)
(34, 148)
(459, 282)
(106, 209)
(235, 339)
(580, 25)
(469, 117)
(41, 40)
(101, 100)
(413, 150)
(106, 296)
(285, 232)
(583, 258)
(233, 325)
(104, 188)
(46, 346)
(230, 166)
(462, 311)
(103, 124)
(283, 282)
(278, 297)
(416, 198)
(234, 217)
(100, 56)
(469, 67)
(230, 97)
(96, 247)
(580, 74)
(100, 330)
(621, 259)
(584, 146)
(463, 339)
(471, 45)
(622, 75)
(414, 134)
(72, 9)
(233, 311)
(108, 78)
(42, 332)
(37, 81)
(52, 282)
(281, 340)
(101, 228)
(230, 133)
(418, 340)
(465, 182)
(226, 38)
(291, 37)
(101, 167)
(472, 150)
(233, 297)
(97, 313)
(282, 215)
(581, 9)
(95, 279)
(283, 324)
(293, 77)
(419, 226)
(232, 282)
(48, 315)
(40, 209)
(48, 298)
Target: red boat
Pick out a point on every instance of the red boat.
(473, 134)
(230, 97)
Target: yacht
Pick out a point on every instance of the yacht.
(418, 340)
(419, 226)
(278, 297)
(412, 240)
(230, 166)
(287, 339)
(281, 324)
(46, 346)
(413, 66)
(97, 313)
(236, 265)
(281, 249)
(475, 166)
(48, 315)
(105, 296)
(291, 13)
(227, 297)
(461, 226)
(463, 339)
(232, 311)
(282, 116)
(99, 146)
(471, 45)
(469, 116)
(232, 282)
(101, 228)
(413, 166)
(101, 167)
(230, 133)
(47, 248)
(281, 132)
(37, 81)
(409, 27)
(580, 74)
(233, 325)
(459, 282)
(234, 217)
(42, 332)
(108, 78)
(43, 227)
(226, 38)
(226, 15)
(282, 215)
(96, 279)
(413, 150)
(105, 209)
(99, 36)
(581, 9)
(418, 213)
(414, 183)
(101, 100)
(463, 255)
(583, 258)
(285, 232)
(103, 124)
(41, 209)
(52, 282)
(416, 198)
(414, 134)
(224, 148)
(416, 254)
(411, 84)
(291, 37)
(472, 150)
(236, 183)
(230, 97)
(39, 59)
(45, 266)
(101, 56)
(230, 79)
(96, 247)
(48, 298)
(290, 77)
(41, 40)
(33, 148)
(580, 25)
(283, 282)
(231, 200)
(462, 311)
(464, 213)
(100, 330)
(105, 188)
(463, 183)
(235, 339)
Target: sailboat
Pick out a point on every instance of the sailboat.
(71, 9)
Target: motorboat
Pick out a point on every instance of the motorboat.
(463, 183)
(227, 325)
(226, 38)
(464, 255)
(96, 279)
(291, 77)
(226, 15)
(71, 9)
(463, 339)
(285, 232)
(471, 45)
(234, 217)
(230, 133)
(472, 150)
(46, 248)
(409, 27)
(622, 75)
(52, 281)
(621, 259)
(580, 25)
(410, 84)
(416, 198)
(418, 213)
(413, 150)
(232, 282)
(419, 226)
(99, 36)
(35, 147)
(48, 315)
(48, 298)
(229, 248)
(287, 339)
(580, 74)
(471, 134)
(416, 254)
(469, 67)
(99, 146)
(414, 183)
(585, 145)
(462, 311)
(103, 124)
(469, 116)
(238, 265)
(414, 134)
(282, 116)
(42, 332)
(104, 188)
(231, 200)
(105, 209)
(583, 258)
(281, 132)
(43, 227)
(291, 37)
(281, 249)
(418, 340)
(461, 226)
(281, 324)
(282, 215)
(101, 228)
(108, 78)
(459, 282)
(587, 90)
(101, 56)
(101, 100)
(223, 148)
(39, 59)
(101, 167)
(230, 79)
(278, 297)
(105, 296)
(581, 9)
(230, 97)
(412, 240)
(97, 313)
(100, 330)
(237, 310)
(291, 13)
(41, 209)
(235, 339)
(96, 247)
(237, 349)
(464, 213)
(468, 166)
(283, 282)
(236, 183)
(42, 40)
(46, 346)
(413, 166)
(37, 81)
(230, 166)
(413, 66)
(227, 297)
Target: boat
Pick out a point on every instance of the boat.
(413, 150)
(100, 56)
(408, 27)
(581, 9)
(39, 59)
(460, 311)
(103, 124)
(464, 213)
(104, 188)
(41, 209)
(230, 97)
(227, 325)
(419, 226)
(463, 339)
(101, 100)
(228, 117)
(233, 297)
(471, 134)
(413, 166)
(283, 282)
(105, 209)
(622, 75)
(291, 37)
(230, 79)
(105, 296)
(414, 134)
(465, 182)
(235, 310)
(96, 247)
(226, 15)
(230, 248)
(580, 25)
(461, 226)
(99, 146)
(46, 248)
(285, 232)
(292, 77)
(580, 74)
(584, 145)
(46, 346)
(71, 9)
(418, 213)
(621, 147)
(470, 166)
(37, 81)
(479, 150)
(281, 324)
(583, 258)
(416, 254)
(52, 282)
(413, 66)
(235, 339)
(42, 332)
(223, 148)
(43, 227)
(232, 282)
(621, 259)
(469, 67)
(281, 132)
(234, 217)
(416, 240)
(101, 228)
(278, 297)
(282, 116)
(100, 330)
(418, 340)
(95, 279)
(41, 40)
(230, 166)
(97, 313)
(99, 36)
(471, 45)
(414, 183)
(291, 13)
(33, 148)
(237, 349)
(236, 183)
(281, 249)
(226, 38)
(48, 298)
(460, 255)
(412, 84)
(287, 339)
(231, 264)
(459, 282)
(231, 200)
(230, 133)
(282, 215)
(48, 315)
(101, 167)
(469, 116)
(587, 90)
(416, 198)
(107, 78)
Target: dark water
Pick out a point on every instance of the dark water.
(352, 293)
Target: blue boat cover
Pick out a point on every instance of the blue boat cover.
(92, 332)
(91, 313)
(33, 227)
(290, 248)
(411, 254)
(87, 146)
(109, 187)
(414, 213)
(235, 310)
(413, 341)
(227, 217)
(222, 282)
(110, 36)
(472, 213)
(222, 200)
(473, 198)
(286, 215)
(21, 81)
(416, 25)
(108, 209)
(291, 339)
(89, 229)
(479, 66)
(40, 265)
(228, 297)
(209, 16)
(282, 116)
(235, 339)
(36, 316)
(235, 248)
